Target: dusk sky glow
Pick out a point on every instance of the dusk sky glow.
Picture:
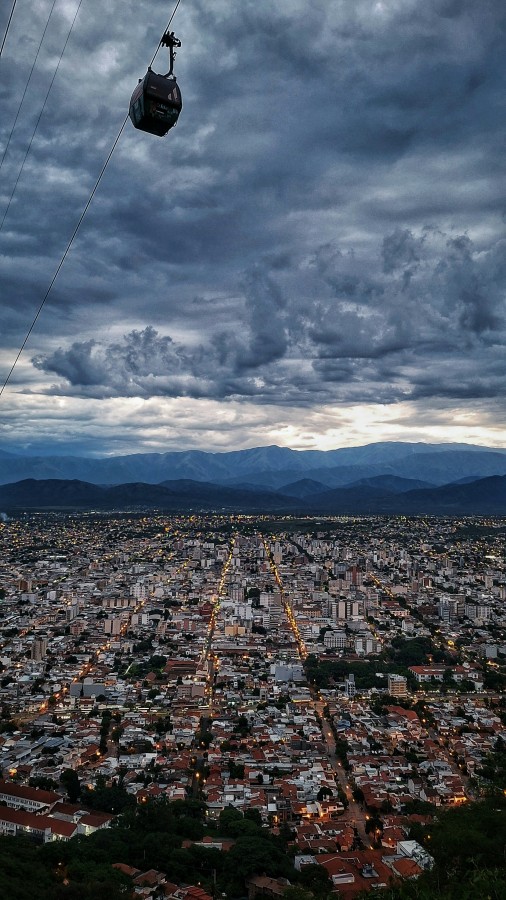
(314, 257)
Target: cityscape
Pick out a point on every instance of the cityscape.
(253, 457)
(338, 682)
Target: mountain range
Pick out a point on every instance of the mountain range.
(380, 478)
(271, 467)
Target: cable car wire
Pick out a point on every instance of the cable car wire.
(81, 218)
(62, 260)
(8, 26)
(40, 115)
(27, 84)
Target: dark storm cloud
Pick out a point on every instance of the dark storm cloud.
(264, 313)
(401, 250)
(371, 337)
(323, 225)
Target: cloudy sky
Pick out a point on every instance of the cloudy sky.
(314, 257)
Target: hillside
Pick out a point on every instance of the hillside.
(267, 467)
(484, 496)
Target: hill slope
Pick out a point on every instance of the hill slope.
(485, 496)
(271, 467)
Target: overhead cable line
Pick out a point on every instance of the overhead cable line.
(40, 115)
(81, 218)
(26, 85)
(8, 26)
(65, 254)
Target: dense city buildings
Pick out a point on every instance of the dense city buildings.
(341, 677)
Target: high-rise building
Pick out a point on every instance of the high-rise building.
(350, 687)
(397, 686)
(39, 649)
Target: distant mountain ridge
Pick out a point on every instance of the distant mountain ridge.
(270, 468)
(485, 496)
(176, 496)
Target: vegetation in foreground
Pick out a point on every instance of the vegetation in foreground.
(467, 843)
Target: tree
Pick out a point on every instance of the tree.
(255, 855)
(492, 773)
(204, 738)
(71, 783)
(113, 799)
(117, 734)
(47, 784)
(374, 827)
(241, 726)
(236, 769)
(297, 893)
(316, 879)
(254, 815)
(229, 819)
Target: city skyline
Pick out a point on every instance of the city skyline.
(330, 683)
(313, 258)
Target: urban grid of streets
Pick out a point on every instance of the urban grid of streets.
(204, 635)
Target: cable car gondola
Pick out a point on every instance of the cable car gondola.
(156, 101)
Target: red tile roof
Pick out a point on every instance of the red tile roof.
(23, 792)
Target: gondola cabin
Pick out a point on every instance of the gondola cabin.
(156, 103)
